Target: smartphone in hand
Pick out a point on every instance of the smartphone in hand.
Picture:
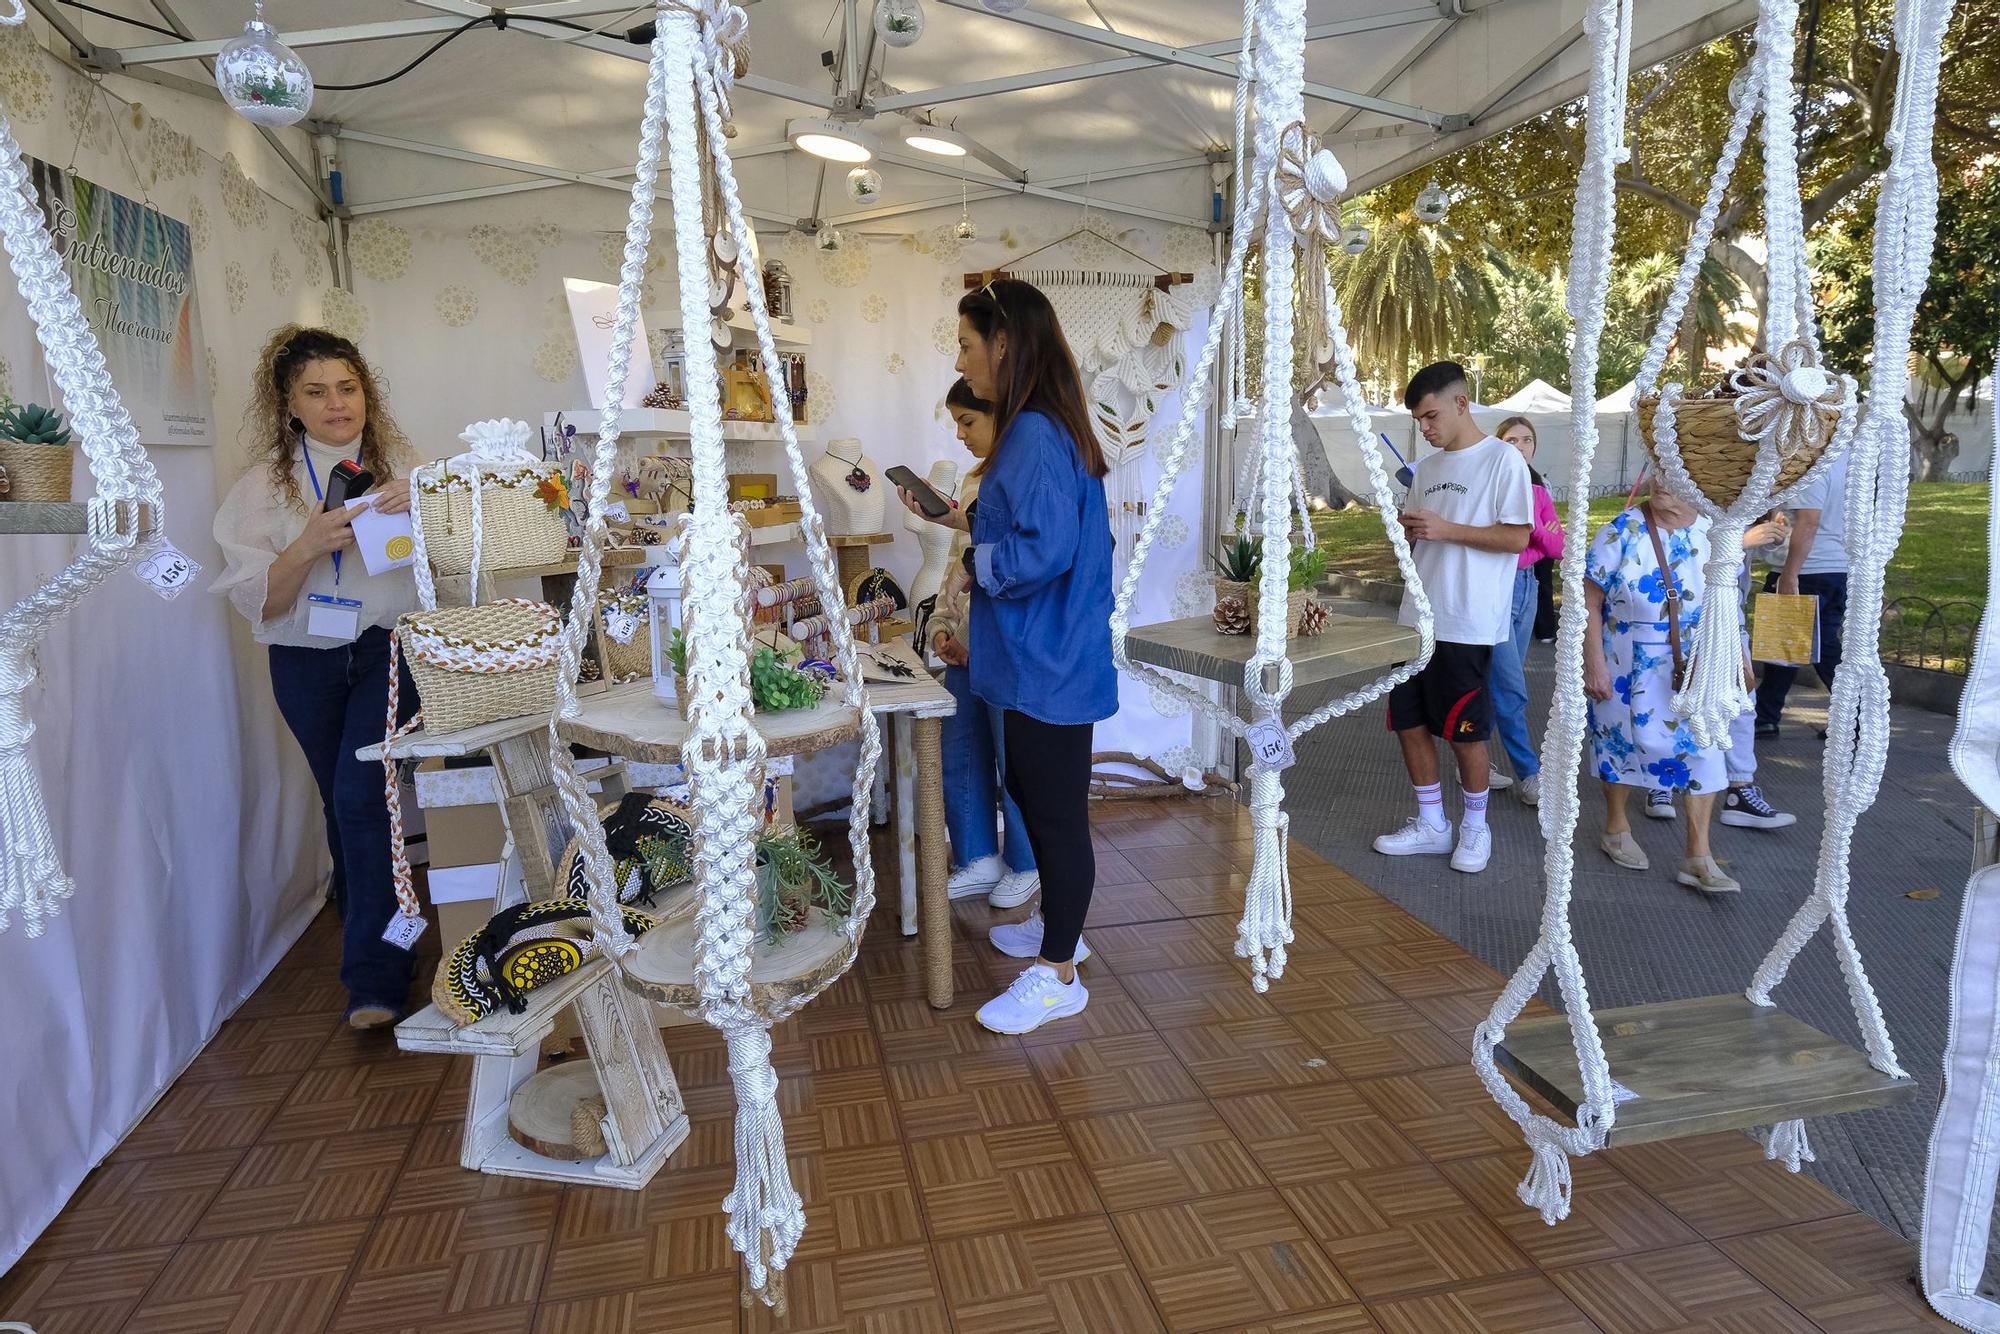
(926, 496)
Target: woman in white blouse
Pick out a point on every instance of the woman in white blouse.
(294, 574)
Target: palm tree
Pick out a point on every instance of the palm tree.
(1639, 296)
(1419, 292)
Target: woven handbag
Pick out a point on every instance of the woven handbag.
(633, 656)
(497, 506)
(475, 665)
(521, 948)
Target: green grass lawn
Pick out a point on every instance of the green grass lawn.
(1942, 557)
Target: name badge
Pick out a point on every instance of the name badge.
(333, 618)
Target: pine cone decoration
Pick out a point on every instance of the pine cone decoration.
(663, 397)
(1232, 616)
(1312, 618)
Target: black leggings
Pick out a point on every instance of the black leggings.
(1048, 776)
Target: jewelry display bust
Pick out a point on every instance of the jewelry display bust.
(849, 490)
(933, 539)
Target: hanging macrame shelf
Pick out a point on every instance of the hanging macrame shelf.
(1349, 646)
(1699, 1066)
(50, 516)
(630, 721)
(661, 968)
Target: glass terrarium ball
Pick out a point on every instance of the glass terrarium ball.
(1741, 86)
(863, 184)
(1431, 203)
(966, 230)
(899, 22)
(263, 79)
(829, 239)
(1354, 240)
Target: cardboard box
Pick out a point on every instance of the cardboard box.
(753, 485)
(462, 836)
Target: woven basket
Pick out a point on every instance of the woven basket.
(1295, 602)
(36, 472)
(476, 665)
(621, 660)
(1717, 456)
(518, 528)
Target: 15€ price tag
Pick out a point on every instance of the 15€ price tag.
(1270, 745)
(622, 626)
(403, 930)
(169, 570)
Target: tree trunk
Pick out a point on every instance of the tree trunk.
(1739, 262)
(1932, 447)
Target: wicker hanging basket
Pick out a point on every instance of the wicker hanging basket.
(1711, 432)
(476, 665)
(36, 471)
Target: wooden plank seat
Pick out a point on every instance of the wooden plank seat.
(1348, 646)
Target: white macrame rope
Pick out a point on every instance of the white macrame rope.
(1228, 319)
(1547, 1185)
(32, 880)
(1876, 501)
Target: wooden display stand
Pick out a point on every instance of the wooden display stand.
(851, 550)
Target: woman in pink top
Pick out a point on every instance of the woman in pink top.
(1507, 678)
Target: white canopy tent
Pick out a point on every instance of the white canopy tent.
(1536, 396)
(1120, 105)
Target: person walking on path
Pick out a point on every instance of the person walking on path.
(1815, 564)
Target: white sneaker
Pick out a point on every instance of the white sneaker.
(1035, 997)
(976, 877)
(1475, 847)
(1498, 782)
(1023, 940)
(1659, 803)
(1015, 888)
(1530, 791)
(1415, 838)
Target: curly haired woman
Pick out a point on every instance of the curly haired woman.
(326, 622)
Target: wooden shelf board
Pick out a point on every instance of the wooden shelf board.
(1708, 1064)
(423, 744)
(630, 721)
(21, 517)
(859, 539)
(502, 1033)
(1349, 646)
(661, 967)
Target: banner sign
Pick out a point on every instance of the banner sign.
(132, 268)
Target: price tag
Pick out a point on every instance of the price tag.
(616, 510)
(621, 625)
(403, 930)
(1619, 1093)
(169, 570)
(1270, 745)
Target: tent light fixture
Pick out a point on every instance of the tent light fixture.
(833, 140)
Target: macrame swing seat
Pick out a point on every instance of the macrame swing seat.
(124, 518)
(712, 960)
(1288, 190)
(1731, 1062)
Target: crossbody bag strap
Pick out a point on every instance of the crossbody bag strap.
(1673, 599)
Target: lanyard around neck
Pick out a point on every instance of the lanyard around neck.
(305, 447)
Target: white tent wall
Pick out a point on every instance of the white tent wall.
(180, 805)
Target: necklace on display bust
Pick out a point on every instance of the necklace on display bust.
(857, 476)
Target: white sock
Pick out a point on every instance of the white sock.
(1475, 811)
(1430, 805)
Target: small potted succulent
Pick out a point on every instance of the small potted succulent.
(34, 451)
(1237, 570)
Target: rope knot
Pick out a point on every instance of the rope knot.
(1309, 181)
(1786, 397)
(1325, 177)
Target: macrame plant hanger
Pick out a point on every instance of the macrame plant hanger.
(1291, 184)
(1877, 490)
(694, 62)
(124, 517)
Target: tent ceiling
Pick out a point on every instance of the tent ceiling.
(1121, 101)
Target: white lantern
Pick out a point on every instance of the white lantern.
(899, 23)
(1354, 240)
(263, 79)
(663, 607)
(863, 184)
(1431, 203)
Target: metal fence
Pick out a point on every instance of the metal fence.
(1918, 632)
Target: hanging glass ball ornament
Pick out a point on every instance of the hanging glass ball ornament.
(829, 240)
(1431, 204)
(261, 78)
(863, 184)
(966, 229)
(1354, 240)
(899, 22)
(1741, 86)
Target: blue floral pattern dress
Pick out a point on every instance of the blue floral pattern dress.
(1635, 738)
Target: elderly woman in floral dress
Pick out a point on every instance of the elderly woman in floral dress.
(1638, 562)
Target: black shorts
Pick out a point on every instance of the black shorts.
(1448, 696)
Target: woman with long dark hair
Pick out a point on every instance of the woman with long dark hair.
(326, 621)
(1039, 623)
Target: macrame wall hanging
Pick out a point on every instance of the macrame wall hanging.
(698, 49)
(1784, 399)
(1289, 191)
(125, 517)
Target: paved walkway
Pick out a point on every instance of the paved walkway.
(1642, 938)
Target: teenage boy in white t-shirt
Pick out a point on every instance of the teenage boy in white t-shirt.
(1470, 509)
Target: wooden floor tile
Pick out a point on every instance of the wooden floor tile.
(1113, 1010)
(1302, 1135)
(983, 1091)
(1122, 905)
(1402, 1230)
(1168, 863)
(1339, 1320)
(910, 1030)
(1723, 1185)
(198, 1116)
(296, 1183)
(252, 1048)
(1113, 1074)
(1053, 1279)
(429, 1265)
(286, 1280)
(857, 1200)
(884, 1292)
(1202, 994)
(695, 1306)
(1371, 1041)
(1249, 1056)
(1609, 1217)
(1530, 1305)
(128, 1205)
(1229, 1259)
(1447, 1113)
(1847, 1274)
(1687, 1290)
(1155, 945)
(1155, 830)
(1000, 1178)
(1320, 978)
(1206, 895)
(91, 1292)
(346, 1099)
(841, 1109)
(1161, 1155)
(1417, 969)
(610, 1240)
